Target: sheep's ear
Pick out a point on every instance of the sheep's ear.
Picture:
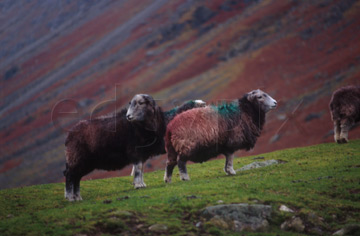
(149, 100)
(156, 119)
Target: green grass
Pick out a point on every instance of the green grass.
(322, 179)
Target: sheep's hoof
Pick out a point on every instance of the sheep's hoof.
(140, 185)
(342, 140)
(72, 198)
(78, 198)
(230, 172)
(167, 180)
(184, 177)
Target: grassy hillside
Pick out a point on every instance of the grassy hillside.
(320, 180)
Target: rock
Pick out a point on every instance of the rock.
(295, 223)
(339, 232)
(314, 219)
(122, 213)
(191, 197)
(239, 226)
(239, 217)
(198, 224)
(349, 230)
(10, 216)
(220, 202)
(257, 164)
(107, 201)
(122, 198)
(315, 230)
(158, 228)
(285, 208)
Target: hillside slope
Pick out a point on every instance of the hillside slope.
(320, 183)
(93, 56)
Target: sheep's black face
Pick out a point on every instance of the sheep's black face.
(142, 108)
(264, 100)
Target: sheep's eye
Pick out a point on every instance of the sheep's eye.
(140, 103)
(265, 95)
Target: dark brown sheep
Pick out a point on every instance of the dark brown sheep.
(203, 133)
(112, 142)
(345, 111)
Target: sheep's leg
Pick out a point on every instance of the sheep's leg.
(229, 169)
(77, 196)
(133, 171)
(170, 164)
(138, 176)
(183, 171)
(72, 186)
(345, 127)
(337, 130)
(69, 188)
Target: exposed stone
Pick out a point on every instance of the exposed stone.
(349, 230)
(315, 230)
(239, 226)
(260, 164)
(122, 213)
(191, 197)
(220, 201)
(314, 219)
(158, 228)
(239, 217)
(295, 224)
(122, 198)
(285, 208)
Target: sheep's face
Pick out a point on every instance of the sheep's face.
(142, 108)
(264, 100)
